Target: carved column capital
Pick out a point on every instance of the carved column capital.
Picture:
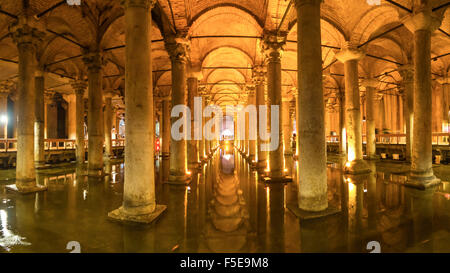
(273, 45)
(178, 49)
(27, 31)
(93, 60)
(79, 87)
(349, 52)
(148, 4)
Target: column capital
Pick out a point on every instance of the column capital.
(109, 93)
(178, 49)
(370, 82)
(349, 52)
(93, 60)
(273, 45)
(444, 80)
(79, 86)
(27, 30)
(422, 20)
(258, 74)
(407, 72)
(147, 4)
(48, 97)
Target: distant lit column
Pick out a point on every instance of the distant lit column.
(273, 45)
(342, 131)
(39, 124)
(350, 55)
(445, 82)
(165, 126)
(4, 92)
(422, 23)
(286, 127)
(108, 126)
(178, 51)
(79, 88)
(259, 80)
(192, 143)
(252, 127)
(370, 85)
(407, 73)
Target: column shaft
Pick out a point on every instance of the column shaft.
(39, 153)
(108, 128)
(165, 127)
(370, 123)
(192, 150)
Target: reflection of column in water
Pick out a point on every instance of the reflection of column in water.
(421, 213)
(313, 235)
(261, 217)
(355, 212)
(372, 202)
(275, 231)
(192, 216)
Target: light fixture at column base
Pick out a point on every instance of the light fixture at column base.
(422, 183)
(358, 166)
(307, 215)
(120, 216)
(25, 190)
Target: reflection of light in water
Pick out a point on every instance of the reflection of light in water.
(7, 238)
(85, 193)
(227, 157)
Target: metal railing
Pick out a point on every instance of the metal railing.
(10, 144)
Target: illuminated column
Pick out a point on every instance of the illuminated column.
(371, 150)
(273, 46)
(407, 73)
(48, 98)
(355, 163)
(202, 143)
(79, 88)
(108, 126)
(445, 82)
(247, 127)
(71, 115)
(259, 80)
(94, 63)
(27, 37)
(192, 144)
(312, 157)
(296, 115)
(39, 153)
(252, 127)
(177, 49)
(422, 23)
(139, 203)
(165, 126)
(207, 99)
(342, 131)
(286, 126)
(4, 92)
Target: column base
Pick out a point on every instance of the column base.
(422, 183)
(26, 189)
(306, 215)
(261, 166)
(179, 179)
(267, 179)
(373, 157)
(121, 216)
(288, 154)
(95, 173)
(165, 155)
(358, 166)
(195, 165)
(39, 164)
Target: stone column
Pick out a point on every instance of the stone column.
(165, 126)
(39, 153)
(192, 149)
(178, 50)
(407, 73)
(207, 99)
(286, 127)
(71, 115)
(273, 46)
(202, 143)
(342, 130)
(139, 203)
(312, 157)
(252, 127)
(4, 92)
(108, 126)
(79, 88)
(259, 80)
(422, 23)
(355, 163)
(445, 82)
(370, 86)
(94, 63)
(27, 34)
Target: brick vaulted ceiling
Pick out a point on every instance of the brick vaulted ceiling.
(99, 24)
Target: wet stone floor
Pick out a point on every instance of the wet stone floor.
(225, 209)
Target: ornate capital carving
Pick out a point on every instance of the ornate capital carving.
(79, 87)
(258, 75)
(273, 45)
(349, 52)
(372, 82)
(27, 31)
(422, 19)
(93, 60)
(178, 49)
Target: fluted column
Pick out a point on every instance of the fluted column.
(27, 33)
(178, 50)
(355, 163)
(139, 203)
(94, 62)
(39, 153)
(79, 88)
(407, 73)
(371, 149)
(259, 80)
(273, 45)
(108, 154)
(312, 172)
(422, 23)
